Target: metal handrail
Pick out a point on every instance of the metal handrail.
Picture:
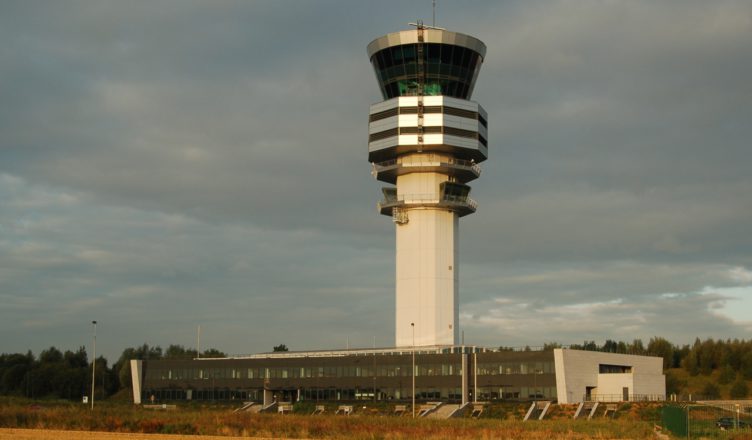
(451, 161)
(620, 398)
(428, 198)
(461, 200)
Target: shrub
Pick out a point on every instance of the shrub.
(711, 391)
(151, 426)
(674, 384)
(727, 375)
(652, 413)
(747, 366)
(179, 428)
(739, 389)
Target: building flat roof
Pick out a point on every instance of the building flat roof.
(438, 349)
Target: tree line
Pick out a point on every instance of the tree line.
(67, 375)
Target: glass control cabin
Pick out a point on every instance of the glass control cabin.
(443, 63)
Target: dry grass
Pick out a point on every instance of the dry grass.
(207, 420)
(49, 434)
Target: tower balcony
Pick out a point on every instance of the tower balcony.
(462, 170)
(462, 205)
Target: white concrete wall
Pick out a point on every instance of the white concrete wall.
(649, 384)
(426, 259)
(576, 370)
(136, 374)
(611, 386)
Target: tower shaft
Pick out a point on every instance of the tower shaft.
(427, 278)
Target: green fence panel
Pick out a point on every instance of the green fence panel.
(674, 419)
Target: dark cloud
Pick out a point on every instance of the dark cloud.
(167, 163)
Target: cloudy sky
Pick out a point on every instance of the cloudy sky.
(169, 164)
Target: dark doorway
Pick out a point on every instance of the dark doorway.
(589, 393)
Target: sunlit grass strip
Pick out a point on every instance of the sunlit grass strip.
(220, 421)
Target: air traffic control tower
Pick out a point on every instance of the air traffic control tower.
(427, 138)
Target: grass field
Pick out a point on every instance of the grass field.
(53, 434)
(217, 420)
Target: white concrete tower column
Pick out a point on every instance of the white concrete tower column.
(426, 257)
(427, 138)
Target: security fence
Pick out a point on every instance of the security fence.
(712, 419)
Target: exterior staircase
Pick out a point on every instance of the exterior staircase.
(249, 407)
(444, 411)
(588, 408)
(429, 408)
(272, 407)
(537, 410)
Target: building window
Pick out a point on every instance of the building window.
(614, 369)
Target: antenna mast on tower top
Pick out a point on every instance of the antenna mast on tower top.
(419, 24)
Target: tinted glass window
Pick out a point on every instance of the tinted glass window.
(408, 52)
(451, 88)
(433, 53)
(387, 57)
(379, 57)
(473, 60)
(466, 58)
(397, 55)
(447, 69)
(457, 55)
(464, 90)
(446, 54)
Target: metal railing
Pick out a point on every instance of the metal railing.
(428, 199)
(460, 200)
(620, 398)
(438, 162)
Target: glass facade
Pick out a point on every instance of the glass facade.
(499, 376)
(497, 368)
(341, 371)
(439, 69)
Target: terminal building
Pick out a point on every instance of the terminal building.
(458, 374)
(427, 139)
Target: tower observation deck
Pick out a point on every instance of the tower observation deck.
(427, 138)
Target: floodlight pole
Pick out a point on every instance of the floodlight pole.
(412, 324)
(93, 363)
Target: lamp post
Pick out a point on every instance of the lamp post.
(412, 324)
(93, 363)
